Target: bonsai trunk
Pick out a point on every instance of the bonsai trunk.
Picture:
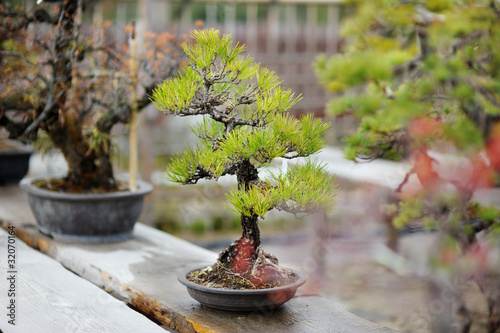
(244, 256)
(88, 170)
(91, 174)
(245, 251)
(240, 256)
(244, 260)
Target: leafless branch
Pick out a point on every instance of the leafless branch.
(36, 123)
(17, 55)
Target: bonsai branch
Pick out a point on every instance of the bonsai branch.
(297, 212)
(17, 55)
(15, 129)
(405, 180)
(49, 106)
(200, 173)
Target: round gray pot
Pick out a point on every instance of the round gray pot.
(88, 217)
(262, 300)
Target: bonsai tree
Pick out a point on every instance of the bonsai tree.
(244, 128)
(71, 85)
(423, 78)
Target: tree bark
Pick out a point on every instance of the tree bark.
(246, 174)
(245, 250)
(88, 170)
(92, 173)
(251, 229)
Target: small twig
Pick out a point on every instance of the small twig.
(17, 55)
(405, 180)
(34, 125)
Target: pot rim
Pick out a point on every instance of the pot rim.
(26, 185)
(181, 276)
(17, 148)
(16, 153)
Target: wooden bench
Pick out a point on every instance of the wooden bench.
(39, 295)
(143, 273)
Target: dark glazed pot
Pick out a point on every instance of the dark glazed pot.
(88, 217)
(14, 164)
(263, 300)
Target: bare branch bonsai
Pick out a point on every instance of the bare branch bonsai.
(64, 83)
(244, 128)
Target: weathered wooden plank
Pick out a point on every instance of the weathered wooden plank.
(143, 273)
(49, 298)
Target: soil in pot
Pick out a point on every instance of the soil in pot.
(217, 276)
(61, 185)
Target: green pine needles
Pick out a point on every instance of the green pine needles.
(244, 128)
(404, 60)
(423, 77)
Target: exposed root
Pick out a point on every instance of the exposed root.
(264, 273)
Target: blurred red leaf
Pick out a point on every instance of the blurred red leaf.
(425, 127)
(423, 168)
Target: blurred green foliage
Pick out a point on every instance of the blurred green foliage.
(407, 59)
(422, 76)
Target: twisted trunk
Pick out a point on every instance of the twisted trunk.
(93, 173)
(244, 253)
(241, 255)
(246, 174)
(243, 264)
(88, 170)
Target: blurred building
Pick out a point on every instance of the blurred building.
(284, 35)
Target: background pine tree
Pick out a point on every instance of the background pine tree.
(424, 76)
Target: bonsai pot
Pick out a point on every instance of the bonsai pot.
(14, 161)
(86, 217)
(263, 300)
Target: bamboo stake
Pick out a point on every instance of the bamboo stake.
(133, 141)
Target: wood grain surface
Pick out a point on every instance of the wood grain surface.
(49, 298)
(143, 273)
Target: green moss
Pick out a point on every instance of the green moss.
(168, 225)
(218, 223)
(198, 227)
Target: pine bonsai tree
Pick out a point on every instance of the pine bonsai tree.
(244, 128)
(422, 76)
(73, 86)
